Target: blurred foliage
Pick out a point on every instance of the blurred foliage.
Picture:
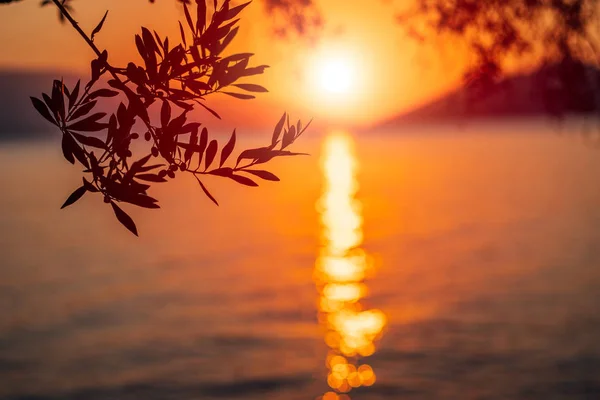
(174, 77)
(300, 17)
(561, 33)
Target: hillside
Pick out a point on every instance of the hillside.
(514, 96)
(18, 118)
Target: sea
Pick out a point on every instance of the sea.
(419, 262)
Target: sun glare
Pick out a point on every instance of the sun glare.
(351, 331)
(336, 76)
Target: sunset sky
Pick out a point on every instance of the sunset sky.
(383, 72)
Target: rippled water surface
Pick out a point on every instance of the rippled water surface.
(462, 264)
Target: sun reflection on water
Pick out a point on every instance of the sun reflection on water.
(340, 271)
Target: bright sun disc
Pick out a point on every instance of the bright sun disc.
(336, 76)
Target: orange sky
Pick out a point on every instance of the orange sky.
(392, 72)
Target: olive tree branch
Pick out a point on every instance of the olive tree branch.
(85, 37)
(91, 44)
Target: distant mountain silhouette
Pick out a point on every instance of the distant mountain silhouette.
(551, 90)
(18, 118)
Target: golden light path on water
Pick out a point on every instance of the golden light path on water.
(340, 272)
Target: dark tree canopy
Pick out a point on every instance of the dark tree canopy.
(498, 28)
(295, 16)
(560, 33)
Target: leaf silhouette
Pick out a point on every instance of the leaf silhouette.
(222, 172)
(89, 124)
(67, 148)
(201, 15)
(65, 89)
(288, 137)
(103, 93)
(99, 26)
(243, 180)
(74, 94)
(300, 132)
(182, 33)
(266, 175)
(251, 87)
(139, 43)
(51, 105)
(188, 17)
(83, 110)
(232, 13)
(75, 150)
(147, 168)
(196, 55)
(279, 153)
(124, 218)
(89, 187)
(240, 95)
(237, 57)
(225, 30)
(226, 152)
(202, 145)
(278, 129)
(164, 45)
(42, 109)
(76, 195)
(268, 156)
(210, 110)
(58, 100)
(152, 41)
(206, 192)
(211, 151)
(150, 178)
(189, 152)
(89, 140)
(135, 168)
(152, 48)
(255, 70)
(165, 113)
(228, 38)
(253, 154)
(198, 86)
(141, 200)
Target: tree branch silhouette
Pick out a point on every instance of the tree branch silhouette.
(76, 26)
(178, 78)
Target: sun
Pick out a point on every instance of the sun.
(336, 76)
(336, 80)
